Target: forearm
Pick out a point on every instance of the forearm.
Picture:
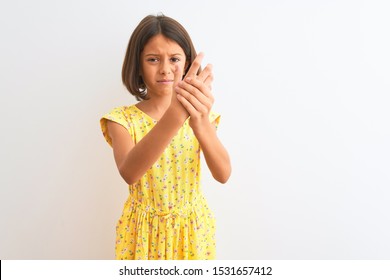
(146, 152)
(215, 154)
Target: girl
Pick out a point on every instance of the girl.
(157, 144)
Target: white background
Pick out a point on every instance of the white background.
(303, 89)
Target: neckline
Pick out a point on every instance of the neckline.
(149, 117)
(145, 114)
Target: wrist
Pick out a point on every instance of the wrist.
(203, 128)
(178, 108)
(176, 114)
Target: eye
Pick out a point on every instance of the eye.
(152, 59)
(175, 59)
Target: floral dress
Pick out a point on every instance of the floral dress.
(166, 215)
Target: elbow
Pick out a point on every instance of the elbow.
(128, 176)
(222, 180)
(223, 177)
(129, 181)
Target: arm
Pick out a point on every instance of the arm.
(196, 97)
(133, 160)
(216, 156)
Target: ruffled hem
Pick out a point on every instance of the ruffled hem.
(183, 234)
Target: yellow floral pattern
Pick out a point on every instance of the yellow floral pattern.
(166, 215)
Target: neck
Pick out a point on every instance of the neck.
(155, 106)
(158, 103)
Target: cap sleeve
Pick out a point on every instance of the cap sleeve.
(119, 116)
(215, 118)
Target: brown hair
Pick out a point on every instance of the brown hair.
(146, 29)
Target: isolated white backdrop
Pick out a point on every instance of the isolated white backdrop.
(303, 89)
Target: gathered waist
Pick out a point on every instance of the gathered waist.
(183, 210)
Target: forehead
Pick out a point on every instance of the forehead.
(161, 44)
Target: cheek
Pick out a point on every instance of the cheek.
(141, 71)
(145, 71)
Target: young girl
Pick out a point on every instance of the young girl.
(157, 144)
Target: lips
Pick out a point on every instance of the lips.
(165, 82)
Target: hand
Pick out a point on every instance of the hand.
(178, 74)
(194, 68)
(180, 111)
(205, 75)
(194, 93)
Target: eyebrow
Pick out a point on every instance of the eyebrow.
(152, 54)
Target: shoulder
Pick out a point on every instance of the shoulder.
(120, 112)
(121, 115)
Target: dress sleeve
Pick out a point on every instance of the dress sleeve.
(119, 116)
(215, 118)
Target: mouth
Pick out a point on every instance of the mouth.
(165, 81)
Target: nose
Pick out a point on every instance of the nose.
(165, 67)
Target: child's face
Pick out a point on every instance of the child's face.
(158, 61)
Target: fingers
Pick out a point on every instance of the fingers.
(209, 80)
(198, 104)
(195, 93)
(196, 87)
(195, 65)
(206, 72)
(187, 105)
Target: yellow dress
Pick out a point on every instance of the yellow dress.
(166, 215)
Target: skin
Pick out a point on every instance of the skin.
(171, 101)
